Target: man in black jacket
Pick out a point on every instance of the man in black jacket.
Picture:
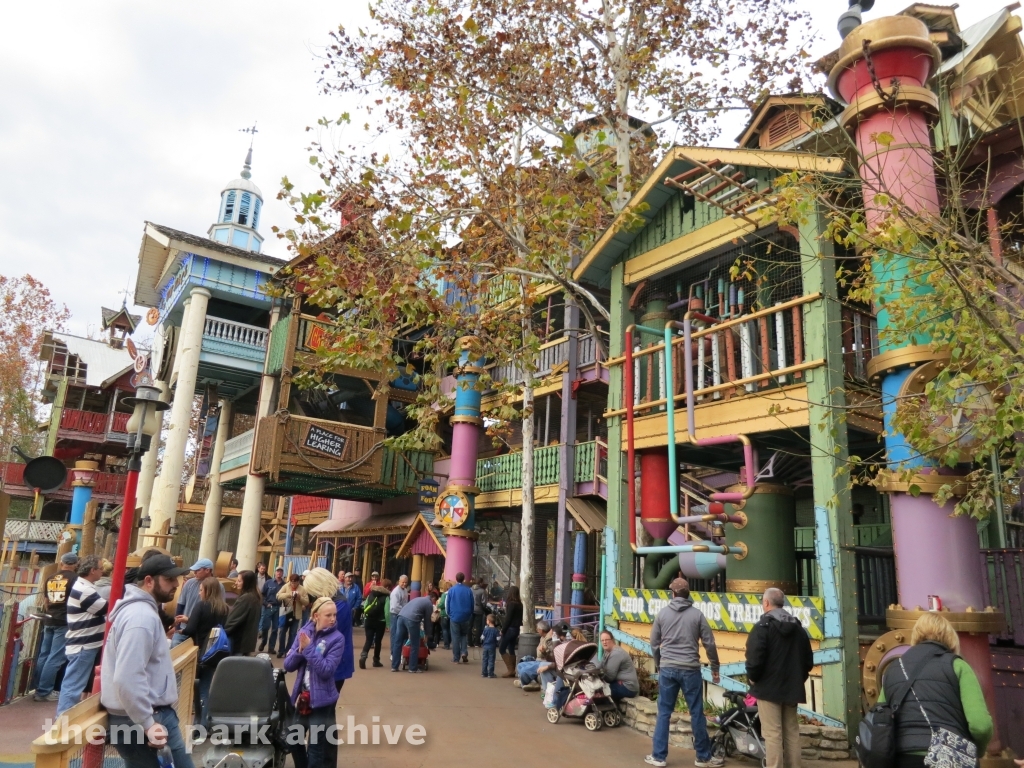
(779, 659)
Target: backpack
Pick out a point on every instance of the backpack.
(217, 647)
(875, 743)
(372, 603)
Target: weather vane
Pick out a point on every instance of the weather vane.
(251, 131)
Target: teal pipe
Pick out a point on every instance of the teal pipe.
(600, 612)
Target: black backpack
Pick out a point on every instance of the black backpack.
(875, 743)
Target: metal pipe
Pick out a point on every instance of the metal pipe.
(675, 549)
(630, 450)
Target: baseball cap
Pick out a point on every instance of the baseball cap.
(678, 585)
(279, 569)
(203, 562)
(70, 558)
(160, 565)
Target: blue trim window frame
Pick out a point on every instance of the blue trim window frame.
(229, 206)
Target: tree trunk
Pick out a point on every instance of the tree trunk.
(526, 527)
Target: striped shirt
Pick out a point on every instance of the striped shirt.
(86, 616)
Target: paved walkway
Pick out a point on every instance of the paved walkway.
(469, 722)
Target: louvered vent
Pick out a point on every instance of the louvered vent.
(256, 213)
(783, 127)
(229, 206)
(243, 209)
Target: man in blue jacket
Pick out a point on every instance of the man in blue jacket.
(459, 606)
(354, 596)
(271, 610)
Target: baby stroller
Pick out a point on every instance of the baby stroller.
(739, 731)
(588, 695)
(424, 653)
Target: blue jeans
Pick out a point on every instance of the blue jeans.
(407, 629)
(268, 621)
(446, 632)
(508, 641)
(670, 681)
(619, 691)
(76, 678)
(319, 753)
(488, 663)
(177, 639)
(288, 632)
(134, 750)
(51, 658)
(460, 638)
(527, 671)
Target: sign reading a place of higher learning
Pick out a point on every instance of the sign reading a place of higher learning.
(725, 611)
(325, 442)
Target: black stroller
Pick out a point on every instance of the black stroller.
(588, 695)
(739, 731)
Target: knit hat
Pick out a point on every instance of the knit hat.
(320, 582)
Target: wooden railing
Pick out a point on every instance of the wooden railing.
(120, 422)
(237, 447)
(91, 422)
(860, 341)
(591, 460)
(295, 446)
(68, 747)
(502, 473)
(746, 355)
(236, 333)
(107, 483)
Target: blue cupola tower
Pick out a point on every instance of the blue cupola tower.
(241, 203)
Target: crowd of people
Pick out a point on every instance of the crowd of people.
(310, 616)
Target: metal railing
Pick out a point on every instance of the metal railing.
(860, 341)
(1003, 574)
(236, 333)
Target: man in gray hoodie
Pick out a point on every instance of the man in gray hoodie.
(676, 634)
(138, 687)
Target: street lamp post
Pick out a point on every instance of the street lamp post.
(143, 424)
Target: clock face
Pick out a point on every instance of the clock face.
(452, 509)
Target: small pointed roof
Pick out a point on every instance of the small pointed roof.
(243, 182)
(119, 317)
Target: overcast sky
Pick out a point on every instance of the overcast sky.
(114, 113)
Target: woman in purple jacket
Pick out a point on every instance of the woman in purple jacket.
(315, 655)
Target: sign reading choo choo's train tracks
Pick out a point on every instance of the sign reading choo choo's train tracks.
(725, 611)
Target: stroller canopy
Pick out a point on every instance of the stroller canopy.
(573, 652)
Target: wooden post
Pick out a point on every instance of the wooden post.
(830, 457)
(617, 468)
(89, 529)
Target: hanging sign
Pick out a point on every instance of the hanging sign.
(452, 509)
(725, 611)
(428, 493)
(325, 442)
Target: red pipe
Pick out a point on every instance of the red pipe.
(124, 538)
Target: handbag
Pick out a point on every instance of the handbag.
(218, 643)
(946, 749)
(875, 743)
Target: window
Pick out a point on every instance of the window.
(229, 206)
(256, 214)
(243, 209)
(240, 239)
(220, 234)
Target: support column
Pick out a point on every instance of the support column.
(460, 492)
(416, 579)
(252, 501)
(935, 554)
(83, 477)
(618, 519)
(147, 475)
(566, 455)
(164, 503)
(829, 449)
(579, 576)
(211, 515)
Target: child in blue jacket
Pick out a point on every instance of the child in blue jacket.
(489, 641)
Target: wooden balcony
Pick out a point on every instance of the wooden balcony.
(500, 478)
(316, 457)
(109, 487)
(93, 426)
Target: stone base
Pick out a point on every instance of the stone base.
(819, 742)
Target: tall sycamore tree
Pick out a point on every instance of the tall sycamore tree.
(518, 129)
